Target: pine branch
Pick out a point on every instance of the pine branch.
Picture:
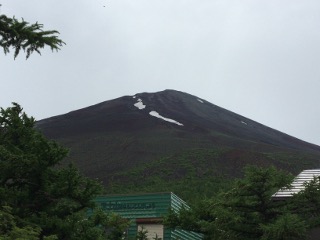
(28, 37)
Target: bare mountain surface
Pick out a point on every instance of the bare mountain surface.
(111, 139)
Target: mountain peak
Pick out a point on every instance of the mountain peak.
(130, 130)
(147, 111)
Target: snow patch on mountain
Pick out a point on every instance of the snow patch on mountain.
(244, 123)
(157, 115)
(200, 100)
(139, 104)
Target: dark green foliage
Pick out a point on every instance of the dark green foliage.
(9, 229)
(116, 227)
(142, 234)
(205, 172)
(37, 196)
(246, 211)
(28, 37)
(286, 227)
(249, 202)
(111, 227)
(307, 203)
(196, 219)
(172, 174)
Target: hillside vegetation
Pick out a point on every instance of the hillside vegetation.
(200, 173)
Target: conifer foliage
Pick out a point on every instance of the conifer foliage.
(39, 198)
(247, 210)
(21, 35)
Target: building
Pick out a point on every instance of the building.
(297, 185)
(147, 211)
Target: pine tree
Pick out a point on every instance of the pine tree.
(244, 212)
(306, 203)
(21, 35)
(44, 197)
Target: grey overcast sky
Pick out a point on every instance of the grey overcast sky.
(258, 58)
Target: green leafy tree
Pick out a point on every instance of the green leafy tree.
(44, 197)
(112, 227)
(306, 203)
(9, 229)
(142, 234)
(116, 226)
(21, 35)
(286, 227)
(248, 205)
(246, 211)
(199, 218)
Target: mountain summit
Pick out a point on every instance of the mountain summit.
(131, 131)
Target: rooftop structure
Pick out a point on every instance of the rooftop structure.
(298, 184)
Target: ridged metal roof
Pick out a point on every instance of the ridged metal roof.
(298, 183)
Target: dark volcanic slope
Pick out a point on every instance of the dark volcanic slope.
(115, 135)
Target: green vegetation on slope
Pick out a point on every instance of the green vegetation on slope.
(199, 173)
